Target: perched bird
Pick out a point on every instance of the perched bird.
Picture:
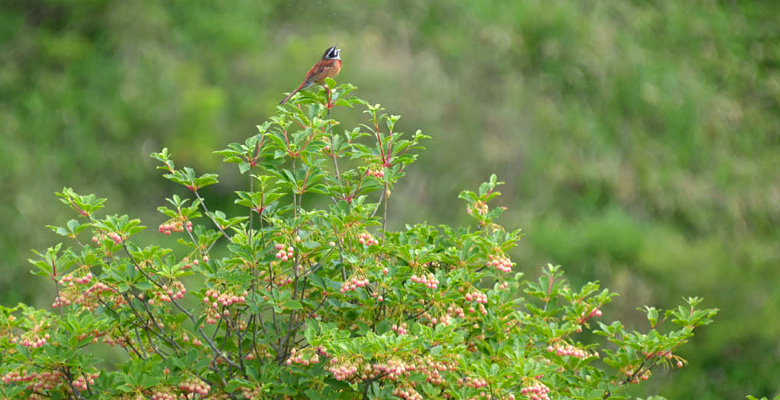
(327, 67)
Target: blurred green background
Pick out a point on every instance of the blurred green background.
(639, 140)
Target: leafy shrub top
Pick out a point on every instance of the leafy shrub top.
(309, 295)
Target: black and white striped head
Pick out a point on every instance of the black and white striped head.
(332, 53)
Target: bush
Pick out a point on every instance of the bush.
(312, 296)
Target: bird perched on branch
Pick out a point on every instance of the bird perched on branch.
(327, 67)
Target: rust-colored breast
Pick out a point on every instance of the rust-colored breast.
(335, 70)
(323, 69)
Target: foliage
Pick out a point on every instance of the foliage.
(315, 297)
(637, 140)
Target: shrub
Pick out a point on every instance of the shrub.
(307, 294)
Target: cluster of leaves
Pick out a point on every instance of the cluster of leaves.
(312, 296)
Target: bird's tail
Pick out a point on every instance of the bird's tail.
(289, 96)
(305, 84)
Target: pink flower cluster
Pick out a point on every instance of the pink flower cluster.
(567, 350)
(47, 380)
(70, 280)
(32, 341)
(98, 287)
(85, 379)
(38, 381)
(444, 319)
(429, 280)
(595, 313)
(476, 296)
(159, 395)
(282, 254)
(115, 237)
(407, 394)
(61, 300)
(73, 293)
(456, 311)
(302, 358)
(70, 293)
(433, 370)
(399, 329)
(378, 297)
(225, 299)
(100, 236)
(16, 377)
(376, 173)
(174, 226)
(392, 370)
(89, 299)
(502, 263)
(367, 239)
(536, 392)
(343, 371)
(167, 294)
(475, 383)
(215, 299)
(194, 386)
(353, 284)
(252, 393)
(195, 341)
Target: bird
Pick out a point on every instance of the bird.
(327, 67)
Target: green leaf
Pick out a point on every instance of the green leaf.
(237, 383)
(652, 315)
(285, 390)
(144, 285)
(292, 305)
(251, 372)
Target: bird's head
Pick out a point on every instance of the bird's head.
(332, 53)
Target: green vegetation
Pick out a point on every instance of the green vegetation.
(639, 141)
(318, 299)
